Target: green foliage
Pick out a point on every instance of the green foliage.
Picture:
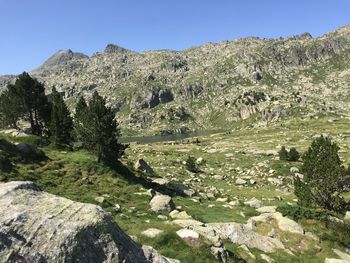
(283, 153)
(325, 178)
(96, 127)
(191, 164)
(337, 232)
(293, 155)
(10, 111)
(80, 108)
(302, 191)
(26, 99)
(61, 125)
(300, 212)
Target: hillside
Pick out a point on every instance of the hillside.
(241, 203)
(257, 81)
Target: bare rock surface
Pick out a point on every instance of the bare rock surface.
(162, 203)
(36, 226)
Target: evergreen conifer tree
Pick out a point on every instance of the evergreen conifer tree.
(325, 178)
(32, 102)
(10, 111)
(61, 125)
(283, 153)
(293, 155)
(96, 127)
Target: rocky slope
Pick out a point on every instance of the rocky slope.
(39, 227)
(210, 86)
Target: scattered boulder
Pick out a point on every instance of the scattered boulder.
(222, 199)
(162, 204)
(219, 253)
(100, 199)
(234, 202)
(41, 227)
(335, 260)
(162, 217)
(241, 234)
(218, 177)
(287, 224)
(266, 209)
(240, 181)
(30, 151)
(294, 170)
(23, 151)
(152, 232)
(117, 208)
(142, 165)
(185, 223)
(187, 234)
(161, 181)
(267, 259)
(182, 189)
(256, 203)
(200, 160)
(175, 214)
(347, 215)
(342, 255)
(284, 223)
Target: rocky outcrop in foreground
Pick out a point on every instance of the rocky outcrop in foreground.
(36, 226)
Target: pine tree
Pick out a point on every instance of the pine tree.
(293, 155)
(80, 109)
(61, 125)
(325, 178)
(10, 111)
(96, 127)
(33, 103)
(283, 153)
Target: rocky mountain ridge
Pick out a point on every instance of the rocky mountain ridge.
(257, 81)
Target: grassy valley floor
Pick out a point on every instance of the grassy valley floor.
(247, 154)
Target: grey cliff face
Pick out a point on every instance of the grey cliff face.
(39, 227)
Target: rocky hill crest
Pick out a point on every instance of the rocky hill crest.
(210, 86)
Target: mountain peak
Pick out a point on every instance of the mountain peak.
(112, 48)
(61, 57)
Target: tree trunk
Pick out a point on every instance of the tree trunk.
(32, 124)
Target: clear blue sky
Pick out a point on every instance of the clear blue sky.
(32, 30)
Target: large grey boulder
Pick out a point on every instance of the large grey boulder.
(243, 235)
(284, 223)
(36, 226)
(162, 203)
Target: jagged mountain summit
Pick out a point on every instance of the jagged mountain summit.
(212, 86)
